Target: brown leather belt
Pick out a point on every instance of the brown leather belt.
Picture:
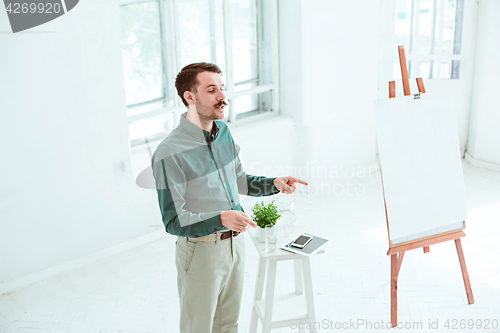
(213, 237)
(227, 234)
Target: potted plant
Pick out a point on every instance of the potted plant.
(264, 215)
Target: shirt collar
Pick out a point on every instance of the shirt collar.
(196, 132)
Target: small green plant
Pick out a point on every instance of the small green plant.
(264, 215)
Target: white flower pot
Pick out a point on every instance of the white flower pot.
(261, 234)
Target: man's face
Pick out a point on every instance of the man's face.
(209, 98)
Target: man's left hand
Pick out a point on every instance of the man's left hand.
(287, 184)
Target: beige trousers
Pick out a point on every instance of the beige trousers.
(210, 282)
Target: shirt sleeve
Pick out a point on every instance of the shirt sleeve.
(171, 188)
(261, 186)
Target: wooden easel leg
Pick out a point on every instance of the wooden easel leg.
(426, 249)
(400, 260)
(465, 275)
(394, 291)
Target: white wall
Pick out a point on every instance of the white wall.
(67, 188)
(329, 79)
(484, 132)
(267, 147)
(68, 181)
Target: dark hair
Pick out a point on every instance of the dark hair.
(186, 79)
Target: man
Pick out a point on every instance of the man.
(198, 177)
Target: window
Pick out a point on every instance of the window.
(159, 37)
(431, 31)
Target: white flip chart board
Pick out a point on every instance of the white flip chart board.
(421, 166)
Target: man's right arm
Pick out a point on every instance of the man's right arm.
(171, 188)
(173, 226)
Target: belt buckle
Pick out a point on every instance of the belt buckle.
(226, 234)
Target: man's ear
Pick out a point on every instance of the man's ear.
(189, 97)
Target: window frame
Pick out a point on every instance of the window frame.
(268, 67)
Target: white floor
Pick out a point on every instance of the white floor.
(135, 291)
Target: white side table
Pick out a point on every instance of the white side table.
(263, 309)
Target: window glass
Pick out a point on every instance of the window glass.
(426, 21)
(133, 111)
(449, 11)
(425, 69)
(245, 103)
(431, 30)
(141, 52)
(251, 104)
(402, 22)
(201, 34)
(244, 40)
(450, 69)
(152, 128)
(455, 69)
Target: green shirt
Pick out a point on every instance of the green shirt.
(199, 174)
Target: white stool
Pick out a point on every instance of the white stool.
(263, 309)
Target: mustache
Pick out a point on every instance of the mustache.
(221, 103)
